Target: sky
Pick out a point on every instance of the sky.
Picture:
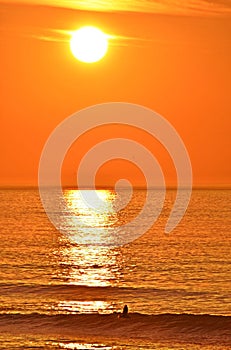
(171, 58)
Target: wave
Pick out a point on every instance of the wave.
(180, 327)
(59, 289)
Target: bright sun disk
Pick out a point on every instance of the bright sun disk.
(89, 44)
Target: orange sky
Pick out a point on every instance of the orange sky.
(177, 65)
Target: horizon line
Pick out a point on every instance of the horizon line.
(107, 187)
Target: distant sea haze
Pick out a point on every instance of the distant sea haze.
(57, 294)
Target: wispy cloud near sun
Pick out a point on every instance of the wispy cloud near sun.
(183, 7)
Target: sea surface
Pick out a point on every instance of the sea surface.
(58, 294)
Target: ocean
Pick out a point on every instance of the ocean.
(58, 294)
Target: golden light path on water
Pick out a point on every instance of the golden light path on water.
(86, 265)
(91, 266)
(94, 211)
(86, 346)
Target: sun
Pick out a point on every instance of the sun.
(89, 44)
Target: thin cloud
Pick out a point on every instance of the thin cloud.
(64, 36)
(176, 7)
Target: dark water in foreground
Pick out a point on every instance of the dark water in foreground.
(57, 294)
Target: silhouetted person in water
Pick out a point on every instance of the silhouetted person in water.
(125, 311)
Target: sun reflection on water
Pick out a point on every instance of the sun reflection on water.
(85, 307)
(92, 213)
(90, 265)
(94, 208)
(85, 346)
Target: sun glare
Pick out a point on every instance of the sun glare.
(89, 44)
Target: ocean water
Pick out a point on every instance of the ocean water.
(56, 294)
